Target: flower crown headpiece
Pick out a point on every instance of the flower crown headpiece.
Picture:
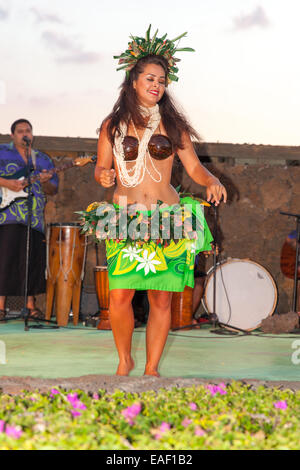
(141, 47)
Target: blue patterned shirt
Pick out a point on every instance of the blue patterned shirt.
(10, 163)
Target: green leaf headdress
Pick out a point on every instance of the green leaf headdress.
(141, 47)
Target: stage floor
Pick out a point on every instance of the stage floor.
(198, 353)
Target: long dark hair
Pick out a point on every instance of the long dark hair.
(127, 108)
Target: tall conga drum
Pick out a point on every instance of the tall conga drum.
(102, 289)
(66, 252)
(182, 308)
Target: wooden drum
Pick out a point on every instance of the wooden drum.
(101, 283)
(66, 252)
(182, 308)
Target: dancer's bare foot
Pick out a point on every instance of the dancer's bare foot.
(153, 372)
(125, 367)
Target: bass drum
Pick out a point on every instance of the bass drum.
(246, 293)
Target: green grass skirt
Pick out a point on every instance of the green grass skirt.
(166, 266)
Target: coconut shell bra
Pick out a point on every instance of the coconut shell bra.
(159, 147)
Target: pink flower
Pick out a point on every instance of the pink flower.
(75, 402)
(214, 389)
(199, 431)
(131, 412)
(75, 413)
(79, 405)
(186, 422)
(193, 406)
(282, 405)
(95, 396)
(54, 392)
(164, 427)
(2, 425)
(12, 431)
(72, 397)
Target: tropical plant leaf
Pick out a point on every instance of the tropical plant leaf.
(185, 49)
(179, 37)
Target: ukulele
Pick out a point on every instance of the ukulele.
(8, 197)
(288, 258)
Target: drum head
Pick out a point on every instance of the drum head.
(245, 293)
(65, 224)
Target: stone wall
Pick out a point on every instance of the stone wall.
(261, 181)
(249, 224)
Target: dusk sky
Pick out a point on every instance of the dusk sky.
(240, 86)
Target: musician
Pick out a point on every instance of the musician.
(13, 218)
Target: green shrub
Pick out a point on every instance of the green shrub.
(235, 416)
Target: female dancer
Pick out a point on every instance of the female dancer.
(136, 148)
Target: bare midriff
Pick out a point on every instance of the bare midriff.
(148, 192)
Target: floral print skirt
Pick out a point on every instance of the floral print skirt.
(164, 265)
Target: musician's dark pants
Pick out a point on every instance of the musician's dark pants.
(13, 261)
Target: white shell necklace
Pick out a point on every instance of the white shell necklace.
(131, 177)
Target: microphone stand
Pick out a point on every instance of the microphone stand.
(214, 320)
(25, 312)
(214, 316)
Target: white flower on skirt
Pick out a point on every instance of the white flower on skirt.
(131, 252)
(147, 262)
(190, 246)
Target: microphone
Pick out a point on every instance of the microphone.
(26, 140)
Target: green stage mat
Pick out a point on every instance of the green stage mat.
(78, 351)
